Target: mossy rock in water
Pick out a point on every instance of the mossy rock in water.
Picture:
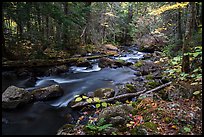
(120, 61)
(153, 84)
(138, 64)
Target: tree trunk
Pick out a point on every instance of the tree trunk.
(88, 13)
(179, 31)
(65, 27)
(127, 37)
(47, 27)
(2, 34)
(188, 38)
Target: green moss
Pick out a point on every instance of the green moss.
(149, 77)
(147, 118)
(130, 87)
(153, 84)
(167, 119)
(134, 112)
(138, 64)
(89, 48)
(120, 61)
(150, 125)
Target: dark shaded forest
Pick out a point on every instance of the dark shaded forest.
(102, 68)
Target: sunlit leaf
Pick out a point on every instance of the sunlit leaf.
(89, 100)
(132, 122)
(186, 129)
(96, 99)
(196, 92)
(78, 99)
(84, 97)
(168, 7)
(98, 105)
(195, 83)
(127, 101)
(104, 104)
(128, 125)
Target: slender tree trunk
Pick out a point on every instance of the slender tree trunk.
(88, 13)
(188, 38)
(127, 37)
(19, 23)
(2, 34)
(47, 27)
(179, 32)
(65, 36)
(29, 6)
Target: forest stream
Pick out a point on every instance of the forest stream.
(47, 117)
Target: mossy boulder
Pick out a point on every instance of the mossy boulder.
(104, 93)
(150, 125)
(47, 93)
(106, 62)
(153, 84)
(118, 113)
(69, 129)
(56, 70)
(138, 64)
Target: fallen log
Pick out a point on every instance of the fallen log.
(84, 103)
(46, 62)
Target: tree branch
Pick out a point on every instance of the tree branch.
(84, 103)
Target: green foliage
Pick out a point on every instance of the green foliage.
(187, 129)
(138, 64)
(153, 84)
(99, 127)
(149, 77)
(130, 87)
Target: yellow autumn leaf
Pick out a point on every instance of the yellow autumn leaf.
(132, 122)
(78, 99)
(104, 104)
(96, 99)
(89, 100)
(128, 125)
(84, 97)
(98, 105)
(168, 7)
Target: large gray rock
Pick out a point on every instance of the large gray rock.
(110, 47)
(84, 64)
(14, 97)
(106, 62)
(151, 42)
(47, 93)
(56, 70)
(116, 114)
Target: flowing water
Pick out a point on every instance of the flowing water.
(45, 118)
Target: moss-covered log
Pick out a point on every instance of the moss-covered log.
(43, 63)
